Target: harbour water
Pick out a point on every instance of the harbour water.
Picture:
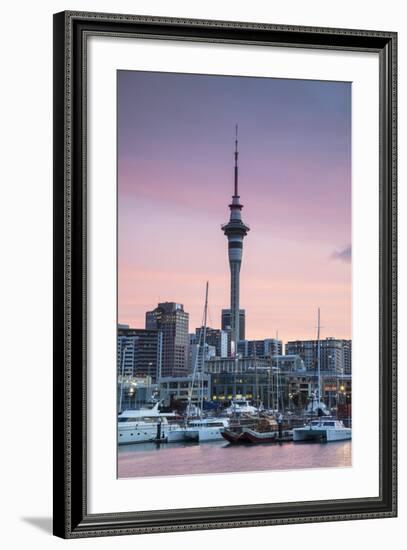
(149, 459)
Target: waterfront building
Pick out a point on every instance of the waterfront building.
(235, 231)
(178, 389)
(217, 338)
(171, 319)
(260, 348)
(135, 392)
(235, 364)
(251, 385)
(139, 352)
(288, 363)
(295, 389)
(335, 390)
(336, 355)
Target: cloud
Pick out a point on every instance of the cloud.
(344, 255)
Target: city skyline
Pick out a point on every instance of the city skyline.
(175, 181)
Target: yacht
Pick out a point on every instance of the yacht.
(323, 429)
(145, 424)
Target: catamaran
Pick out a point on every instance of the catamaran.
(324, 428)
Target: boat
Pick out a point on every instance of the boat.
(232, 436)
(254, 436)
(265, 429)
(202, 429)
(146, 424)
(323, 430)
(316, 408)
(240, 406)
(208, 429)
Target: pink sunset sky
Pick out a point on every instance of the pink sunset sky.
(175, 181)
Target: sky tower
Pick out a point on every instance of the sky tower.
(235, 230)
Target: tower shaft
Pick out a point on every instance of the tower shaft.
(234, 301)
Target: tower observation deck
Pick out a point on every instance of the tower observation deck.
(235, 231)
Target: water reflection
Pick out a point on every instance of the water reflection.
(149, 459)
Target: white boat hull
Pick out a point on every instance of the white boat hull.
(196, 433)
(176, 435)
(321, 434)
(210, 434)
(182, 434)
(191, 434)
(142, 433)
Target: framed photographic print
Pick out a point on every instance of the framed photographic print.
(224, 274)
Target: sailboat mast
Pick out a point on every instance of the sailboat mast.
(278, 379)
(202, 336)
(269, 382)
(256, 376)
(319, 357)
(122, 377)
(204, 339)
(205, 311)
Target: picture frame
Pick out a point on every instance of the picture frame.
(71, 516)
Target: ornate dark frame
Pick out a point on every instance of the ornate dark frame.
(71, 518)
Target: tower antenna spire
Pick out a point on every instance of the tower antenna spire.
(236, 193)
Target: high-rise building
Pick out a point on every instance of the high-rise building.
(199, 354)
(260, 348)
(215, 337)
(235, 231)
(139, 352)
(226, 322)
(171, 319)
(336, 355)
(347, 357)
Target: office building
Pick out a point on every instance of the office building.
(199, 353)
(215, 337)
(185, 387)
(336, 355)
(260, 348)
(139, 352)
(171, 319)
(226, 322)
